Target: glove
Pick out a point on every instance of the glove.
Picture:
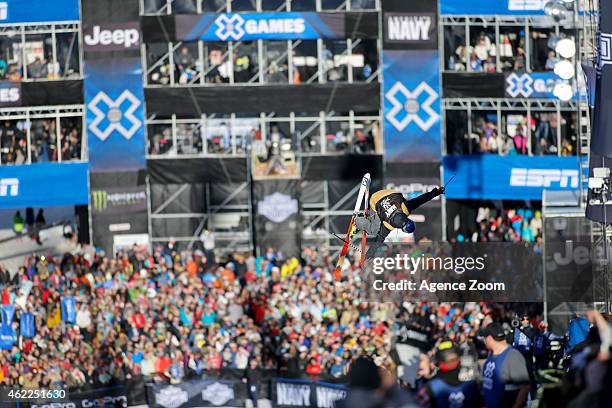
(441, 190)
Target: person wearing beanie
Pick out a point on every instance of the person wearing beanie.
(445, 389)
(364, 382)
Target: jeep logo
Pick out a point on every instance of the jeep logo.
(112, 37)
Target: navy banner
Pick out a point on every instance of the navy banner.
(114, 96)
(411, 104)
(260, 26)
(7, 332)
(27, 327)
(43, 185)
(37, 11)
(601, 142)
(68, 305)
(493, 177)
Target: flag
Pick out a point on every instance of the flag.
(7, 333)
(68, 309)
(601, 132)
(601, 138)
(27, 327)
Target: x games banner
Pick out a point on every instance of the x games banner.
(114, 96)
(411, 81)
(260, 26)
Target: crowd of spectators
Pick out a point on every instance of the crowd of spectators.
(486, 138)
(481, 55)
(43, 145)
(509, 225)
(173, 313)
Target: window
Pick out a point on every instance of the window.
(160, 138)
(34, 138)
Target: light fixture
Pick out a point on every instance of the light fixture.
(563, 91)
(564, 69)
(557, 9)
(566, 48)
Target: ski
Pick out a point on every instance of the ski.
(365, 185)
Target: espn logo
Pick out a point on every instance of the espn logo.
(521, 177)
(9, 187)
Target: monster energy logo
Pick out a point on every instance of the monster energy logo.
(103, 200)
(100, 200)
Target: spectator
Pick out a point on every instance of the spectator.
(505, 374)
(520, 140)
(40, 220)
(551, 61)
(252, 379)
(37, 69)
(18, 223)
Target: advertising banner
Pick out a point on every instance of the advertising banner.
(121, 200)
(492, 7)
(37, 11)
(43, 185)
(200, 392)
(111, 37)
(10, 93)
(260, 26)
(114, 96)
(306, 393)
(531, 85)
(411, 105)
(7, 332)
(415, 30)
(277, 216)
(494, 177)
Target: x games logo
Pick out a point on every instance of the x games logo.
(114, 115)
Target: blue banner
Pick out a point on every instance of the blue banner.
(26, 327)
(68, 309)
(38, 11)
(43, 185)
(7, 333)
(411, 89)
(260, 26)
(538, 85)
(493, 177)
(491, 7)
(114, 96)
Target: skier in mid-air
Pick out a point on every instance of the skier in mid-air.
(389, 210)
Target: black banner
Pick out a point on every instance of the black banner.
(410, 25)
(178, 171)
(305, 393)
(111, 36)
(118, 205)
(191, 102)
(200, 392)
(460, 85)
(122, 200)
(277, 216)
(115, 396)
